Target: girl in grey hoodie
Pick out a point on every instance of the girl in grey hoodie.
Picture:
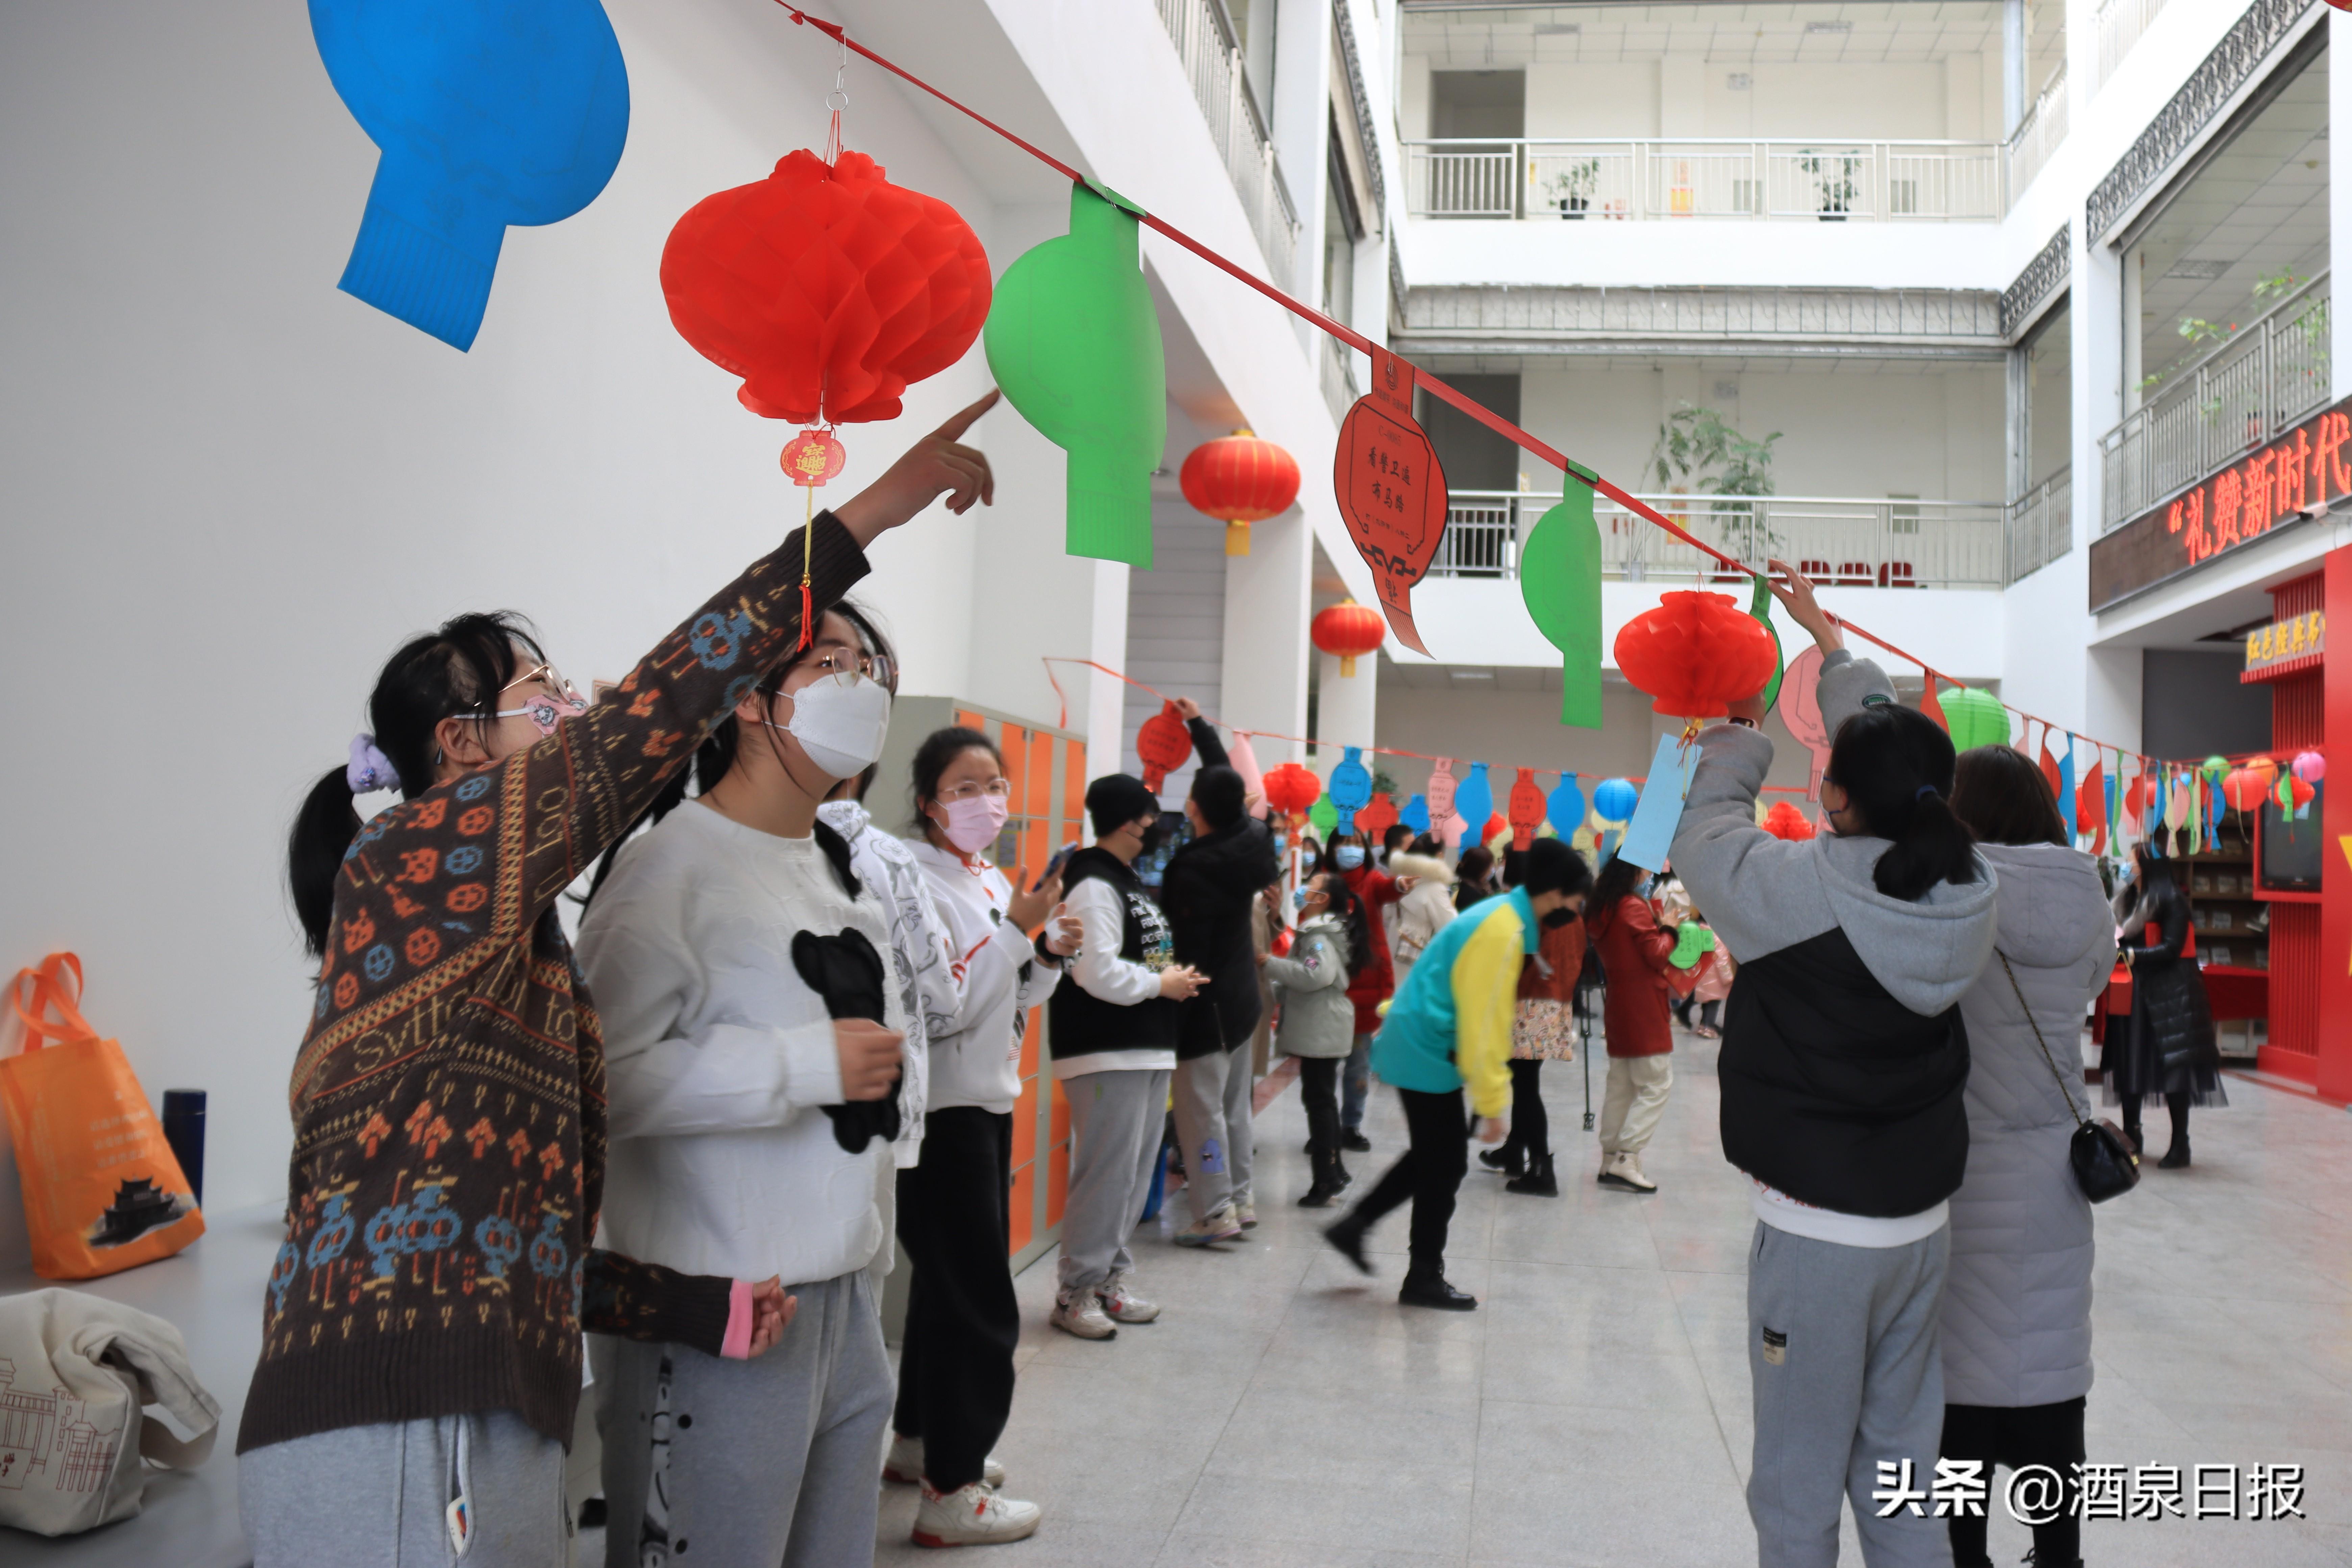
(1844, 1056)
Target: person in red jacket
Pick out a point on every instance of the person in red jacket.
(1634, 956)
(1374, 985)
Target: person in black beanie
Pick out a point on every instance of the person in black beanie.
(1113, 1027)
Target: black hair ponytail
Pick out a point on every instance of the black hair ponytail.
(1349, 910)
(456, 671)
(1896, 765)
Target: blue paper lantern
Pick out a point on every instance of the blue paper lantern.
(1415, 815)
(487, 112)
(1565, 807)
(1473, 802)
(1615, 799)
(1351, 788)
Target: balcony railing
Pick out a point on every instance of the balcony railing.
(1840, 542)
(2120, 22)
(2040, 525)
(1338, 367)
(1213, 62)
(1825, 182)
(2270, 373)
(2038, 135)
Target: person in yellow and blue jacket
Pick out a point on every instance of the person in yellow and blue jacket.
(1450, 1026)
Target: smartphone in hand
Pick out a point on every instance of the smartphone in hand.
(1053, 867)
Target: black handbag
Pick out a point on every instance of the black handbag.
(2105, 1165)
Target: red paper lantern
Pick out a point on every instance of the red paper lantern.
(1494, 828)
(1696, 654)
(1527, 808)
(1240, 479)
(1161, 745)
(2245, 789)
(1375, 820)
(1349, 630)
(1291, 789)
(1786, 820)
(829, 291)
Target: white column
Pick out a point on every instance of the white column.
(1302, 109)
(2012, 66)
(1106, 645)
(1345, 707)
(1266, 646)
(2339, 190)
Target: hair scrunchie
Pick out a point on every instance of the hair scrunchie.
(1924, 790)
(369, 769)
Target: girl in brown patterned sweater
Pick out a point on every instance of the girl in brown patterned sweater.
(421, 1347)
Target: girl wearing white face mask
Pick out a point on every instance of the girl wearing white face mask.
(735, 953)
(955, 1369)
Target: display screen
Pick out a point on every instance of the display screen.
(2291, 857)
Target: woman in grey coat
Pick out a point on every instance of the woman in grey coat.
(2017, 1301)
(1318, 1021)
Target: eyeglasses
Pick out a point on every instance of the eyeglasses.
(972, 789)
(874, 667)
(563, 690)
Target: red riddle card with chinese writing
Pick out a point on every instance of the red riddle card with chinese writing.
(1391, 490)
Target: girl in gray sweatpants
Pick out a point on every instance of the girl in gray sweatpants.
(1842, 1065)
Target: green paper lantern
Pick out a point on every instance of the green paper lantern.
(1559, 577)
(1324, 817)
(1760, 604)
(1075, 343)
(1976, 717)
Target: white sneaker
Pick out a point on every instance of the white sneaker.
(1247, 1214)
(905, 1464)
(1122, 1304)
(1220, 1224)
(1624, 1172)
(973, 1516)
(1081, 1313)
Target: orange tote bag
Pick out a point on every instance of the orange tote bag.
(102, 1191)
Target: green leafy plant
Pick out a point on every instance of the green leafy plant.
(1573, 186)
(1697, 452)
(1834, 175)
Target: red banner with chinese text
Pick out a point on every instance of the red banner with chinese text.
(2273, 486)
(1391, 491)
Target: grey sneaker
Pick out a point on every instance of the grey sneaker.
(1080, 1312)
(1220, 1224)
(1120, 1302)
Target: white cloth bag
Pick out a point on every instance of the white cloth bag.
(77, 1371)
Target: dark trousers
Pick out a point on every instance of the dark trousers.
(1429, 1172)
(2016, 1437)
(1531, 1123)
(955, 1370)
(1319, 1091)
(2176, 1103)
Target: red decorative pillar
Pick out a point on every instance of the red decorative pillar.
(2335, 1031)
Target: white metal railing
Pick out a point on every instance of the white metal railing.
(2120, 24)
(1839, 541)
(1828, 181)
(2268, 374)
(2040, 525)
(1214, 63)
(1338, 367)
(2037, 135)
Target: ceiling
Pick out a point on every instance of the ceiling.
(2258, 208)
(1469, 36)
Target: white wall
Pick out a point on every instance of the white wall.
(1721, 252)
(1682, 95)
(235, 489)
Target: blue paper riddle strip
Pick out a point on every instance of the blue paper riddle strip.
(1651, 834)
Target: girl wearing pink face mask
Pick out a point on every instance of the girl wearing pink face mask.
(955, 1374)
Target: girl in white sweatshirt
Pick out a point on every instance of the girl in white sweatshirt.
(955, 1367)
(753, 1032)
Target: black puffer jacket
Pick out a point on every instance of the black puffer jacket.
(1208, 889)
(2168, 1044)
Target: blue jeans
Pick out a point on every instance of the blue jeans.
(1355, 1080)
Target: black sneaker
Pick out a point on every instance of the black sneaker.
(1355, 1143)
(1319, 1196)
(2175, 1158)
(1434, 1291)
(1349, 1237)
(1503, 1162)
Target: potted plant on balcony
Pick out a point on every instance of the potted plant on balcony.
(1573, 188)
(1697, 452)
(1834, 181)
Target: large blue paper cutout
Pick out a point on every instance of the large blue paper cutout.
(1474, 803)
(1565, 807)
(1351, 788)
(1415, 815)
(487, 112)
